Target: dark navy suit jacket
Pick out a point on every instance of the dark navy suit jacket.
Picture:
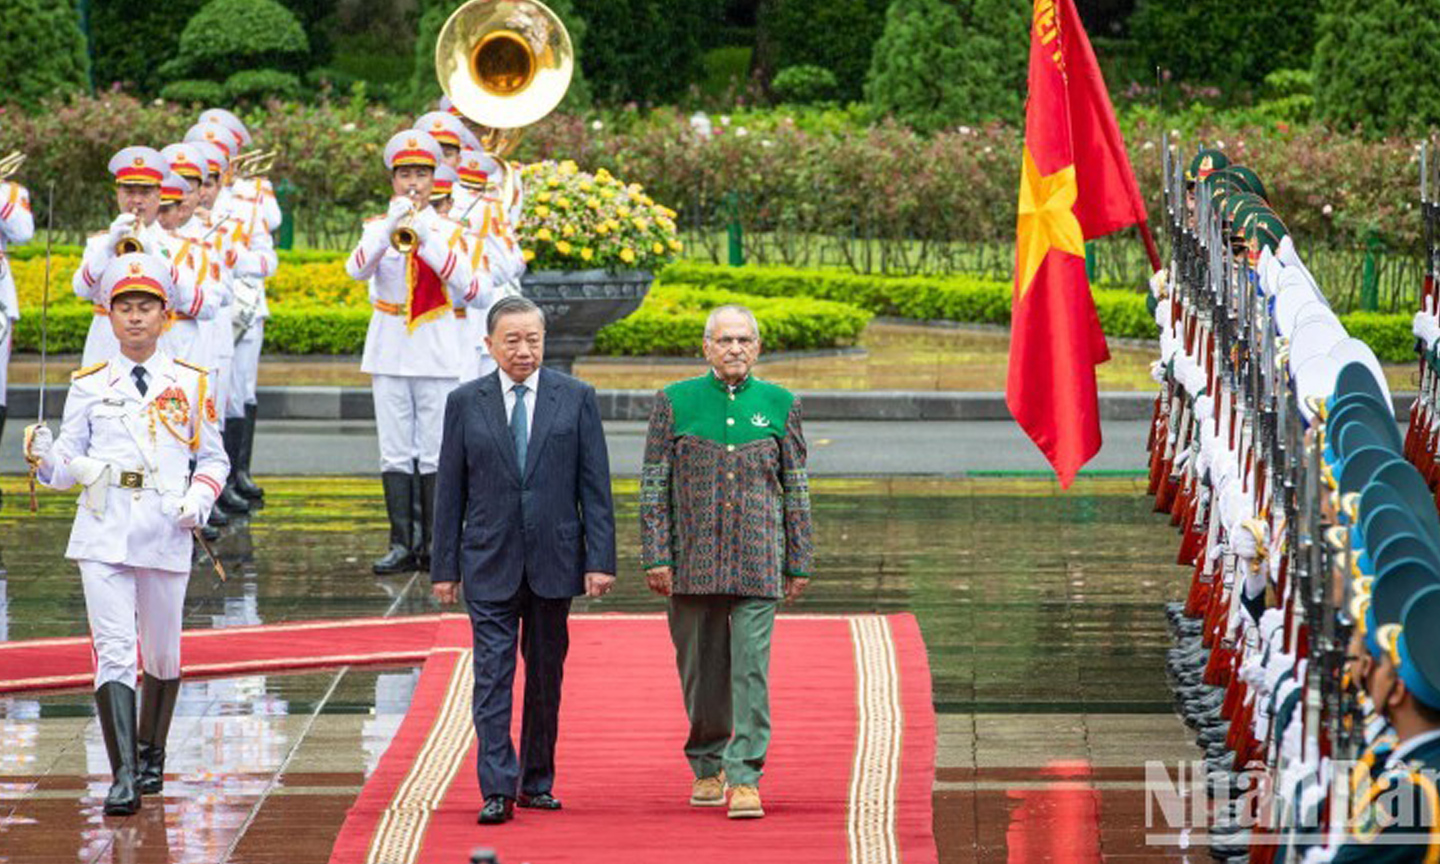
(547, 523)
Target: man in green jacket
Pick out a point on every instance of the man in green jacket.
(726, 534)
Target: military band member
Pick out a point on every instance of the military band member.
(17, 226)
(412, 348)
(137, 172)
(447, 130)
(442, 194)
(133, 423)
(494, 249)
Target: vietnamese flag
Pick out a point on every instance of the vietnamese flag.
(1075, 184)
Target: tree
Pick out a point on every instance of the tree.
(43, 52)
(424, 87)
(833, 34)
(643, 50)
(940, 63)
(127, 35)
(1208, 42)
(227, 36)
(1374, 64)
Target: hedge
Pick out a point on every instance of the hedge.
(671, 322)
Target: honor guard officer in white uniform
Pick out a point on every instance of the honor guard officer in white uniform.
(17, 226)
(133, 423)
(415, 262)
(493, 248)
(138, 172)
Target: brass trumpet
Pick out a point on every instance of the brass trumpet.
(11, 164)
(131, 242)
(256, 163)
(404, 238)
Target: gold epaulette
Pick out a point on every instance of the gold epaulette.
(188, 365)
(88, 370)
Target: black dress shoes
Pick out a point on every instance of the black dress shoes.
(543, 801)
(497, 809)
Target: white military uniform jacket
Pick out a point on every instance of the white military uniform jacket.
(191, 266)
(132, 454)
(431, 348)
(100, 343)
(17, 226)
(250, 217)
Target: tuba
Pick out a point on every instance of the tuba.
(505, 64)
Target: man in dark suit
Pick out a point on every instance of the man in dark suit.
(523, 523)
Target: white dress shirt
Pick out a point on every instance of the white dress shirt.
(507, 389)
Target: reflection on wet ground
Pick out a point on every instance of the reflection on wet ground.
(1040, 612)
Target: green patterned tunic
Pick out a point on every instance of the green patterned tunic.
(724, 496)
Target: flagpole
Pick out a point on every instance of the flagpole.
(1150, 248)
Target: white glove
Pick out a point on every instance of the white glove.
(398, 208)
(188, 516)
(1157, 282)
(123, 225)
(1204, 409)
(39, 441)
(1157, 372)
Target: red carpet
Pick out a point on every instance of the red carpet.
(57, 664)
(849, 778)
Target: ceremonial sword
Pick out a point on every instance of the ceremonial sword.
(44, 328)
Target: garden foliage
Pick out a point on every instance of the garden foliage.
(42, 51)
(1375, 65)
(837, 35)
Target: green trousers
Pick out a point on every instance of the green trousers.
(722, 647)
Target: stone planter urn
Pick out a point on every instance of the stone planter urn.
(577, 303)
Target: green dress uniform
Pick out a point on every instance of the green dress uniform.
(1401, 803)
(725, 502)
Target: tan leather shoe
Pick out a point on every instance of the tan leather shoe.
(708, 791)
(745, 803)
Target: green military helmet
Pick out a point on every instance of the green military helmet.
(1263, 230)
(1204, 164)
(1249, 181)
(1236, 203)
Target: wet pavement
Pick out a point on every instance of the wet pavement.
(1040, 612)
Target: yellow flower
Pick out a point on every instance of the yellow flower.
(542, 211)
(659, 248)
(587, 253)
(563, 247)
(612, 224)
(543, 197)
(553, 182)
(593, 203)
(641, 223)
(602, 229)
(586, 186)
(543, 234)
(569, 167)
(623, 211)
(627, 255)
(607, 194)
(568, 230)
(529, 255)
(676, 245)
(563, 203)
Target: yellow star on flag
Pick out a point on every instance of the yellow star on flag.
(1047, 218)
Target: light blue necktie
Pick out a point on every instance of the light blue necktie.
(520, 425)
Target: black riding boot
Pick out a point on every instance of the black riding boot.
(157, 707)
(398, 490)
(244, 483)
(427, 516)
(116, 706)
(231, 501)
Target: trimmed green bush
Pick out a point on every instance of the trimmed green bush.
(804, 85)
(126, 37)
(193, 91)
(671, 322)
(1389, 336)
(257, 85)
(1203, 42)
(834, 34)
(226, 35)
